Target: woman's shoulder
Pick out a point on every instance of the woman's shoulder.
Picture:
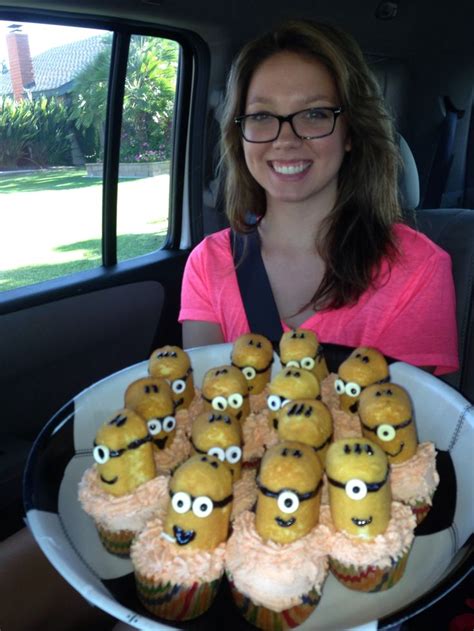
(215, 244)
(415, 246)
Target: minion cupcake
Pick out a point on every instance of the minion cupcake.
(121, 491)
(219, 435)
(386, 415)
(226, 388)
(152, 399)
(371, 535)
(252, 354)
(179, 562)
(276, 557)
(174, 365)
(300, 348)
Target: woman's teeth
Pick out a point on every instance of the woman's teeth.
(290, 169)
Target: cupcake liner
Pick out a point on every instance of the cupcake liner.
(270, 620)
(173, 601)
(116, 542)
(369, 578)
(420, 510)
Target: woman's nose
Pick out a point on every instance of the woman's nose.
(287, 135)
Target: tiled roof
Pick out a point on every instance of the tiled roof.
(54, 69)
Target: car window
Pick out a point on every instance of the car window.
(54, 90)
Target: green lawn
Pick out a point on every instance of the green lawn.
(50, 222)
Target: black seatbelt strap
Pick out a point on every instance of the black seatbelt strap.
(443, 157)
(468, 201)
(255, 290)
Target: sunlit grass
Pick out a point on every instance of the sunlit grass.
(50, 223)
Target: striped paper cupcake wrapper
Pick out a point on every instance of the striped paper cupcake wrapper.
(420, 510)
(369, 578)
(270, 620)
(116, 542)
(173, 601)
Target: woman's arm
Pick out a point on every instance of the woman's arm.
(198, 333)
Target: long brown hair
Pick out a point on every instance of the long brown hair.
(357, 233)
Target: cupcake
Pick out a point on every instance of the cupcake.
(152, 399)
(276, 557)
(219, 435)
(121, 491)
(226, 388)
(300, 348)
(364, 367)
(371, 535)
(173, 364)
(252, 354)
(387, 418)
(179, 562)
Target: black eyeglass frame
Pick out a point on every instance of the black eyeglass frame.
(336, 112)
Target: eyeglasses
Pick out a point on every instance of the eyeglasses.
(315, 122)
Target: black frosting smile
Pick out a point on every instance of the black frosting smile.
(354, 407)
(183, 537)
(361, 522)
(397, 452)
(160, 442)
(285, 524)
(112, 481)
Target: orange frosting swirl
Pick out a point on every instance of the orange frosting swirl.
(381, 550)
(166, 460)
(160, 560)
(271, 574)
(258, 435)
(258, 402)
(415, 479)
(127, 512)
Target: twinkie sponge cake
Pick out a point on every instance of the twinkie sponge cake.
(300, 348)
(363, 367)
(219, 435)
(179, 562)
(173, 364)
(252, 354)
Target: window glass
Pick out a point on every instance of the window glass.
(146, 145)
(53, 95)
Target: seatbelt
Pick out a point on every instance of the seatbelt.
(255, 290)
(468, 199)
(443, 157)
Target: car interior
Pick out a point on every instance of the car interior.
(61, 335)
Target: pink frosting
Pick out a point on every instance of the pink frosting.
(160, 560)
(273, 575)
(258, 435)
(415, 479)
(381, 550)
(127, 512)
(245, 493)
(166, 460)
(258, 402)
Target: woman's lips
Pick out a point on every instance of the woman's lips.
(290, 169)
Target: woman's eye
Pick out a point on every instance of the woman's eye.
(181, 502)
(178, 386)
(154, 426)
(386, 432)
(317, 114)
(233, 454)
(202, 506)
(356, 489)
(169, 423)
(260, 117)
(274, 402)
(101, 454)
(219, 403)
(235, 400)
(218, 452)
(288, 502)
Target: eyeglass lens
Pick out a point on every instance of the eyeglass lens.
(314, 123)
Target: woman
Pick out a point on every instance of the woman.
(309, 151)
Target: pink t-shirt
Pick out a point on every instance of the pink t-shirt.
(410, 316)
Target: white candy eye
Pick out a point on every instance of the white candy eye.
(352, 389)
(178, 386)
(339, 386)
(218, 452)
(288, 502)
(219, 403)
(202, 506)
(274, 402)
(249, 372)
(386, 432)
(285, 401)
(233, 454)
(235, 400)
(101, 454)
(307, 362)
(154, 426)
(356, 489)
(293, 363)
(169, 423)
(181, 502)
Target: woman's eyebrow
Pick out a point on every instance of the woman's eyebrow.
(264, 100)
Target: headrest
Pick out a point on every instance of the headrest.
(408, 182)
